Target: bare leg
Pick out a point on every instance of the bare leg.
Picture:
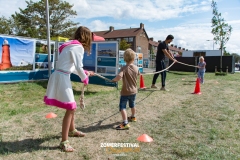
(124, 114)
(133, 110)
(72, 129)
(66, 124)
(72, 124)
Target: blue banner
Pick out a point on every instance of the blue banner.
(19, 56)
(89, 61)
(14, 76)
(20, 51)
(102, 61)
(107, 58)
(107, 49)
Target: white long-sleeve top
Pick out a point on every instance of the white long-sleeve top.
(70, 60)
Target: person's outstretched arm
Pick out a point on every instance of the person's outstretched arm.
(117, 78)
(169, 55)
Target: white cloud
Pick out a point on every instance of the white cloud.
(144, 9)
(195, 36)
(192, 36)
(98, 25)
(10, 7)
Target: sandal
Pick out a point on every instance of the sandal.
(65, 146)
(76, 133)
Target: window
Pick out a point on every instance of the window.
(130, 39)
(119, 39)
(198, 54)
(138, 49)
(126, 39)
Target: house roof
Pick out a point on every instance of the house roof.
(132, 32)
(172, 48)
(153, 43)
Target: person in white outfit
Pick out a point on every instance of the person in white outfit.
(59, 90)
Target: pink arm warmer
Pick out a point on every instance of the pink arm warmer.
(86, 80)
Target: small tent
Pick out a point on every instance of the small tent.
(97, 38)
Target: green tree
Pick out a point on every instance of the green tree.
(124, 45)
(236, 57)
(220, 29)
(226, 53)
(152, 54)
(6, 25)
(31, 21)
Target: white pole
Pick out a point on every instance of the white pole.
(48, 39)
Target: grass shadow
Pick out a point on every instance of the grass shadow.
(89, 128)
(182, 73)
(151, 91)
(190, 81)
(187, 84)
(42, 83)
(148, 89)
(77, 92)
(98, 127)
(26, 145)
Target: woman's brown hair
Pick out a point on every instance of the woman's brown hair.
(84, 36)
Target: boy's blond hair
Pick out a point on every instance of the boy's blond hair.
(201, 57)
(129, 55)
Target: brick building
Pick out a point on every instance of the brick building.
(137, 37)
(152, 45)
(175, 50)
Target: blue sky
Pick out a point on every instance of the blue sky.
(188, 20)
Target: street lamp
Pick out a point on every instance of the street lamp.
(213, 43)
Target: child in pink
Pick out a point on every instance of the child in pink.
(59, 90)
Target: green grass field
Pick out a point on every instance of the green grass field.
(183, 125)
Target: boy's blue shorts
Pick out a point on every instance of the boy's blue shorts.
(124, 99)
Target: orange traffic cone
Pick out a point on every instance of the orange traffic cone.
(197, 87)
(145, 138)
(51, 115)
(142, 85)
